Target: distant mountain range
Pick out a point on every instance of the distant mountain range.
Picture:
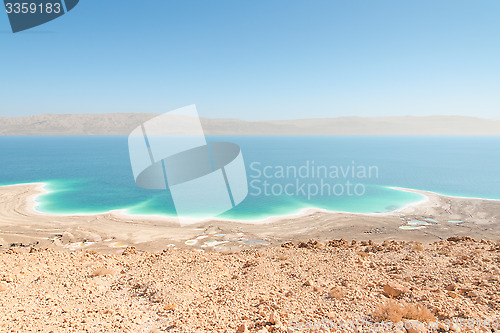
(124, 123)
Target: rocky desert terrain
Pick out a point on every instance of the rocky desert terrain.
(449, 285)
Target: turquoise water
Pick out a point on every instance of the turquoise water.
(93, 174)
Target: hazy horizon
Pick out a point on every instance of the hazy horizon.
(124, 123)
(255, 120)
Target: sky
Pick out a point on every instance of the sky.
(258, 59)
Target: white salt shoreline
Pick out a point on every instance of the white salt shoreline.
(40, 189)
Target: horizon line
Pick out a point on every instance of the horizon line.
(261, 120)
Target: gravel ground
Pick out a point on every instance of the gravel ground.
(292, 287)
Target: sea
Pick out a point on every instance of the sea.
(286, 174)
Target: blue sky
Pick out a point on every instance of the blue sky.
(259, 59)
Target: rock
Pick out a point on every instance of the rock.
(484, 284)
(443, 327)
(455, 327)
(274, 318)
(262, 330)
(129, 250)
(457, 239)
(170, 307)
(337, 292)
(451, 287)
(314, 244)
(3, 286)
(317, 289)
(308, 283)
(480, 300)
(243, 328)
(393, 290)
(250, 263)
(433, 326)
(8, 279)
(339, 243)
(415, 326)
(452, 294)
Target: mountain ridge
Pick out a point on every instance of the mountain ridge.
(124, 123)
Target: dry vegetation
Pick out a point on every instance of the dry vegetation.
(395, 311)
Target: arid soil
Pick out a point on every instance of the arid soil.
(287, 288)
